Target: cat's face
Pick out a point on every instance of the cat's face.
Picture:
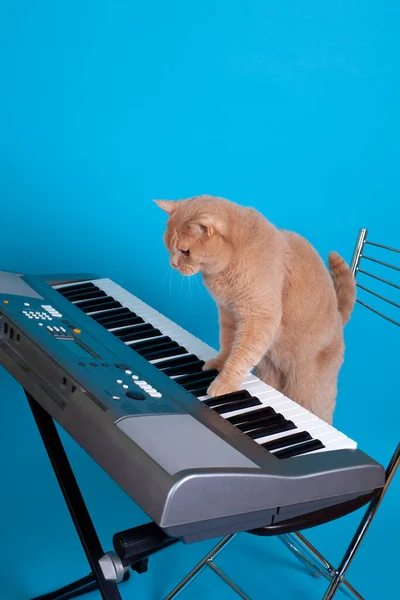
(193, 238)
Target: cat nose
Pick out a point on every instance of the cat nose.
(174, 263)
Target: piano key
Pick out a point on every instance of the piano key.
(106, 300)
(227, 398)
(287, 440)
(195, 377)
(124, 334)
(64, 290)
(264, 421)
(194, 385)
(337, 445)
(86, 294)
(236, 405)
(299, 449)
(112, 312)
(140, 336)
(153, 342)
(270, 429)
(173, 362)
(93, 308)
(158, 348)
(119, 321)
(245, 417)
(164, 353)
(185, 368)
(200, 391)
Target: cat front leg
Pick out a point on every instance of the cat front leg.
(226, 336)
(253, 339)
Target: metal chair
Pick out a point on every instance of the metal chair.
(291, 537)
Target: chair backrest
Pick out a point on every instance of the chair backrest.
(360, 258)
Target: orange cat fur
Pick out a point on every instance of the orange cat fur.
(280, 311)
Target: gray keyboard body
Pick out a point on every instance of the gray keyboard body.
(190, 470)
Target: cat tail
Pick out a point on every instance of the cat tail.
(344, 283)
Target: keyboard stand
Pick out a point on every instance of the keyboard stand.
(78, 511)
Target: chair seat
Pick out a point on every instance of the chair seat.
(318, 517)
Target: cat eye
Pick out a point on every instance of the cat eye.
(185, 252)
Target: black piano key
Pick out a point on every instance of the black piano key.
(200, 391)
(96, 305)
(174, 362)
(191, 367)
(261, 423)
(159, 347)
(288, 440)
(227, 398)
(121, 321)
(251, 415)
(194, 385)
(140, 335)
(199, 376)
(165, 353)
(85, 294)
(299, 449)
(105, 314)
(92, 301)
(75, 286)
(127, 333)
(237, 405)
(271, 429)
(152, 343)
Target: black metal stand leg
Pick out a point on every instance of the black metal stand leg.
(73, 590)
(78, 511)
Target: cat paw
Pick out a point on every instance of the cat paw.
(214, 363)
(221, 386)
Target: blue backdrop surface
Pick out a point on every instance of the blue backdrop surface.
(291, 107)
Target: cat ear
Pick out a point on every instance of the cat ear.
(207, 226)
(168, 205)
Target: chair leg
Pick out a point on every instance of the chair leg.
(207, 561)
(362, 529)
(309, 562)
(314, 560)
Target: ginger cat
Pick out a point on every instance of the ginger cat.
(281, 313)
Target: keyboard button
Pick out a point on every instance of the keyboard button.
(135, 394)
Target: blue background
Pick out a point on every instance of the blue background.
(291, 107)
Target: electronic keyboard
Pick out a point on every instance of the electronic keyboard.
(128, 385)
